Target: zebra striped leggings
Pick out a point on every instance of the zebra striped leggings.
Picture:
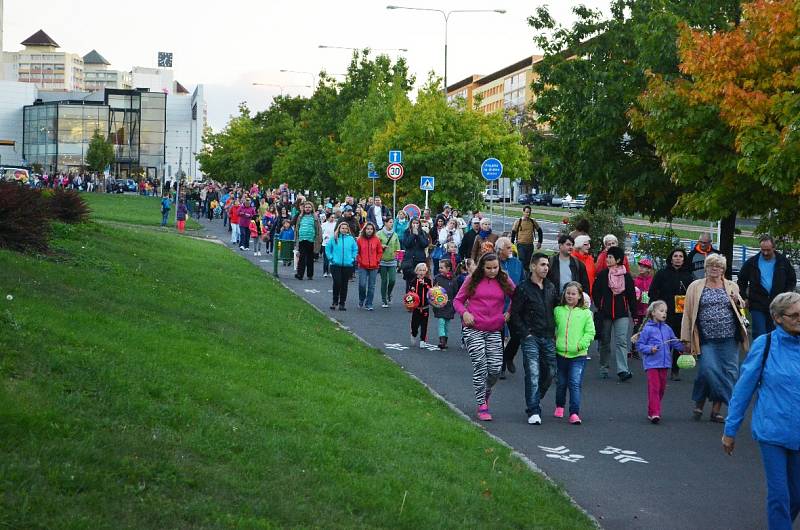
(486, 353)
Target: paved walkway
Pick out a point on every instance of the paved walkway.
(623, 470)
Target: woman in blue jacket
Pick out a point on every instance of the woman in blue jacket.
(773, 370)
(341, 251)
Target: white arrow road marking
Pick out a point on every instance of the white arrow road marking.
(395, 346)
(312, 291)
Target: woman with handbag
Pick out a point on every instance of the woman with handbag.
(714, 329)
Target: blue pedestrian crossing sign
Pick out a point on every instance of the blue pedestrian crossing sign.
(395, 157)
(491, 169)
(426, 183)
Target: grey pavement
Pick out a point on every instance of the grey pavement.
(619, 467)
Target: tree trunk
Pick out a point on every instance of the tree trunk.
(726, 235)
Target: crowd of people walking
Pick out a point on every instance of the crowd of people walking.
(559, 310)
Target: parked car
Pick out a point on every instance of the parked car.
(492, 195)
(543, 199)
(557, 200)
(116, 186)
(577, 202)
(525, 198)
(18, 174)
(130, 185)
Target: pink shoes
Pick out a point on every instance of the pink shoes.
(574, 419)
(559, 413)
(483, 413)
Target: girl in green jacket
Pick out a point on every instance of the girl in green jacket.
(574, 333)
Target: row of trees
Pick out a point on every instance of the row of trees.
(324, 143)
(674, 108)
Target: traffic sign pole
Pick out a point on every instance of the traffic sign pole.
(426, 199)
(394, 199)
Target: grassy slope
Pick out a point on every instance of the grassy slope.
(149, 380)
(131, 209)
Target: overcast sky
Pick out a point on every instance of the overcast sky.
(239, 42)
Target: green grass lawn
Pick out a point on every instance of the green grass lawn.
(131, 209)
(151, 380)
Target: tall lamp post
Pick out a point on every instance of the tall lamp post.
(446, 16)
(313, 77)
(281, 87)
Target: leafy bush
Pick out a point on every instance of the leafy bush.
(68, 206)
(601, 222)
(657, 246)
(24, 218)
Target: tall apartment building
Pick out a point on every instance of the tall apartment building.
(40, 63)
(98, 75)
(507, 89)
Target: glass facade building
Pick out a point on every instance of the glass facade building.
(57, 133)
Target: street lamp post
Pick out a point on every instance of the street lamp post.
(313, 77)
(446, 15)
(281, 87)
(359, 49)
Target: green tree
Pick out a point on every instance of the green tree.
(588, 90)
(448, 142)
(100, 153)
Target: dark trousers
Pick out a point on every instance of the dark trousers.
(244, 236)
(419, 323)
(510, 351)
(341, 277)
(524, 252)
(306, 261)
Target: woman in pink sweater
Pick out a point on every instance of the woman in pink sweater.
(480, 303)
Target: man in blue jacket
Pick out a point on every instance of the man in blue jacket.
(762, 278)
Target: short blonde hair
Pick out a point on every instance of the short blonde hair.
(610, 237)
(419, 267)
(715, 260)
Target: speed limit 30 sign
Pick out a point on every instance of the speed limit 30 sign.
(394, 171)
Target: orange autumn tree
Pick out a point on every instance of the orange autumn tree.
(727, 127)
(752, 74)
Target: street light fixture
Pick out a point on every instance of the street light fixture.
(359, 49)
(446, 15)
(313, 76)
(281, 87)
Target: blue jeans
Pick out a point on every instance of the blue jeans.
(366, 286)
(782, 470)
(539, 362)
(570, 375)
(164, 218)
(762, 323)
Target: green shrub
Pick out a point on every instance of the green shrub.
(68, 206)
(24, 218)
(601, 223)
(657, 246)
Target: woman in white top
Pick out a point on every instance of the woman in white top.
(328, 228)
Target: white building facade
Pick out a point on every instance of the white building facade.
(13, 96)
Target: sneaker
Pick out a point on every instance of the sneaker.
(241, 247)
(534, 419)
(559, 413)
(654, 419)
(342, 308)
(324, 274)
(483, 413)
(624, 376)
(298, 276)
(370, 308)
(361, 305)
(423, 345)
(574, 419)
(333, 307)
(384, 304)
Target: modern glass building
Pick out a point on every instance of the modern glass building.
(57, 130)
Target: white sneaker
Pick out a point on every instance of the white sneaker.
(423, 345)
(535, 419)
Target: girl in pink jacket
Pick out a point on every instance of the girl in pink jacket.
(480, 303)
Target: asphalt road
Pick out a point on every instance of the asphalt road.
(619, 467)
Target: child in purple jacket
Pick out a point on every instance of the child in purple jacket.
(655, 344)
